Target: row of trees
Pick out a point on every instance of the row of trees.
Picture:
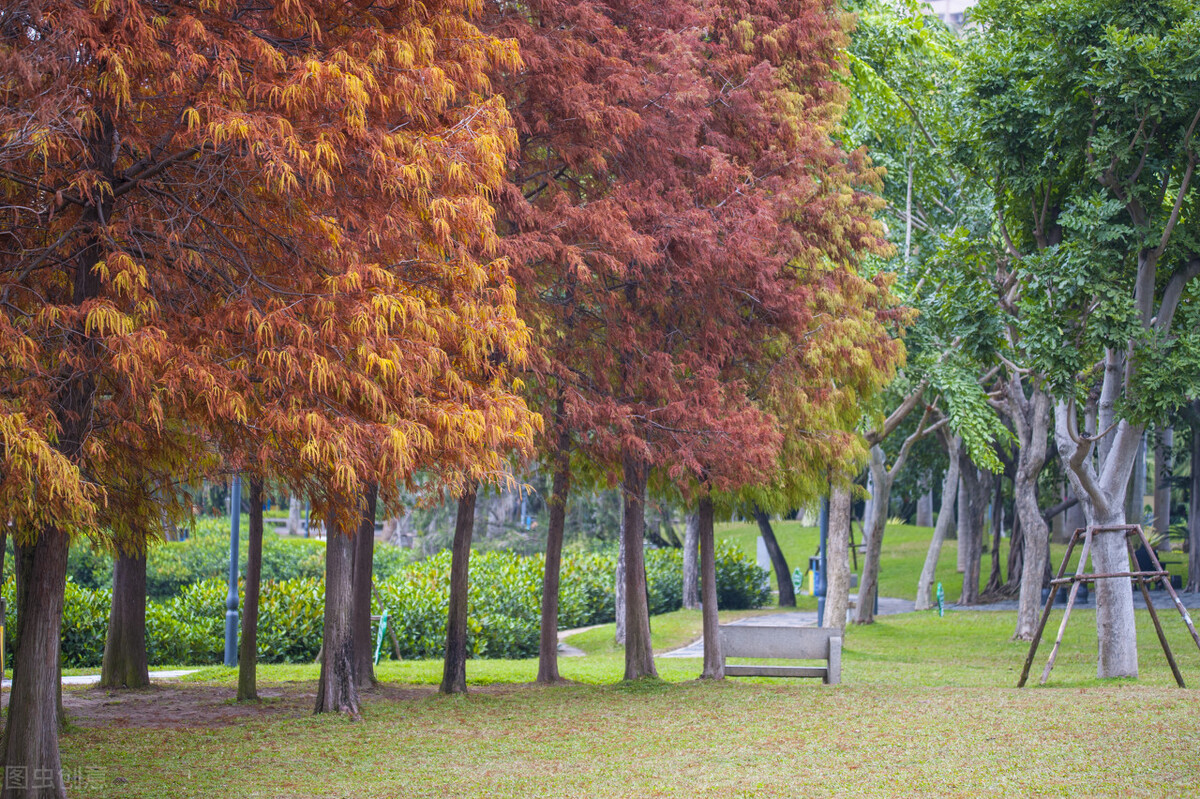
(368, 251)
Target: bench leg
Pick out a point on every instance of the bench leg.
(833, 675)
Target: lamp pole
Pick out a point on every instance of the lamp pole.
(231, 601)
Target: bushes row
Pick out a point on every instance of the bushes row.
(503, 618)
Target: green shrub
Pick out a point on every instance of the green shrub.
(741, 584)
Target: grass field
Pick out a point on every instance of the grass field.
(928, 707)
(904, 549)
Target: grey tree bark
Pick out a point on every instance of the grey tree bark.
(364, 573)
(837, 549)
(548, 642)
(1030, 416)
(961, 525)
(124, 664)
(783, 574)
(337, 690)
(454, 666)
(925, 508)
(639, 654)
(1164, 441)
(295, 512)
(619, 585)
(248, 645)
(945, 521)
(691, 568)
(714, 667)
(970, 537)
(1135, 502)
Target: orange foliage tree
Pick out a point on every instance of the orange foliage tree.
(231, 216)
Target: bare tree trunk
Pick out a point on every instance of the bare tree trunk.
(714, 667)
(868, 586)
(295, 511)
(691, 569)
(548, 646)
(639, 654)
(1031, 419)
(31, 734)
(619, 585)
(783, 574)
(1163, 443)
(124, 664)
(837, 554)
(337, 690)
(454, 673)
(961, 526)
(1194, 514)
(945, 522)
(995, 576)
(925, 509)
(1102, 495)
(1016, 553)
(364, 573)
(976, 501)
(248, 646)
(1135, 503)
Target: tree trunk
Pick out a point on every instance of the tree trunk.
(868, 586)
(976, 501)
(548, 647)
(783, 575)
(248, 646)
(31, 734)
(639, 654)
(714, 667)
(1194, 514)
(619, 586)
(454, 672)
(1163, 444)
(691, 554)
(337, 691)
(364, 573)
(925, 509)
(1103, 500)
(837, 556)
(124, 664)
(295, 511)
(996, 577)
(945, 522)
(868, 519)
(961, 526)
(1016, 554)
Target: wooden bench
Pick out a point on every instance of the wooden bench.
(795, 643)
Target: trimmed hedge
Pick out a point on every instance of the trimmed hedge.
(503, 617)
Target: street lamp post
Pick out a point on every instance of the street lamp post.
(231, 601)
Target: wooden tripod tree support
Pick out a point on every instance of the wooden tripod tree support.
(1080, 576)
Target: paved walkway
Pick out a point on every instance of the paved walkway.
(88, 679)
(801, 618)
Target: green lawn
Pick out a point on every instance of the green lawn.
(928, 707)
(904, 549)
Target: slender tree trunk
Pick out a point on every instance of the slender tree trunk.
(925, 509)
(31, 734)
(619, 585)
(248, 646)
(1163, 444)
(961, 526)
(295, 511)
(548, 646)
(976, 502)
(996, 577)
(691, 569)
(639, 654)
(714, 667)
(454, 672)
(337, 690)
(1135, 503)
(945, 522)
(124, 664)
(783, 575)
(364, 574)
(868, 587)
(1016, 555)
(1194, 514)
(837, 554)
(868, 519)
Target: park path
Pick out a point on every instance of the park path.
(888, 606)
(88, 679)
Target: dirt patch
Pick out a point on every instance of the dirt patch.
(202, 706)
